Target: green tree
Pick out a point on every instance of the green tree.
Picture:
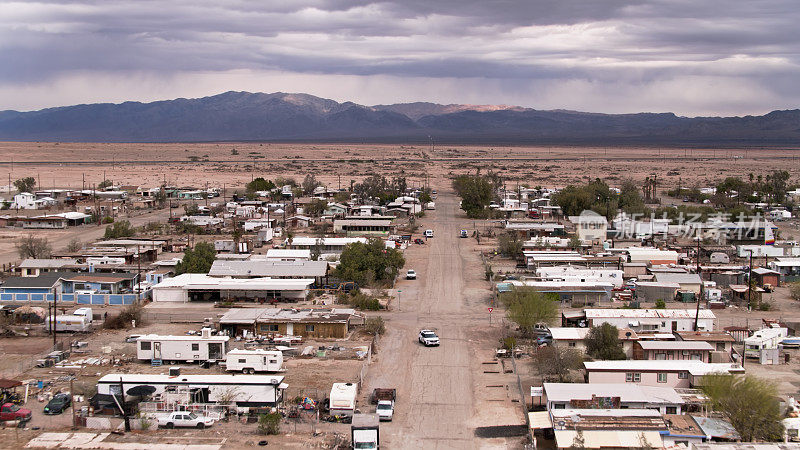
(595, 196)
(316, 207)
(191, 209)
(630, 200)
(368, 262)
(425, 196)
(748, 402)
(476, 194)
(119, 229)
(197, 260)
(556, 363)
(104, 184)
(310, 183)
(603, 342)
(26, 184)
(509, 244)
(259, 184)
(528, 308)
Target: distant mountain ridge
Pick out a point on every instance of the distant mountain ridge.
(245, 116)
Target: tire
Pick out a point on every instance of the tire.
(170, 425)
(200, 426)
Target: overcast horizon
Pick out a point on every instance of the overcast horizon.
(709, 58)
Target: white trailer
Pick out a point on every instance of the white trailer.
(182, 348)
(343, 399)
(251, 361)
(70, 322)
(243, 390)
(764, 339)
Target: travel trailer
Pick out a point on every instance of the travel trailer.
(153, 347)
(343, 399)
(251, 361)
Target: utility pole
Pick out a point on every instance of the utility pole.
(138, 270)
(699, 274)
(750, 281)
(123, 406)
(72, 398)
(53, 317)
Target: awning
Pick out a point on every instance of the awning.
(539, 420)
(609, 438)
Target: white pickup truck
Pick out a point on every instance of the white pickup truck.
(184, 419)
(385, 410)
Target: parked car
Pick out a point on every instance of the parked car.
(544, 339)
(428, 338)
(419, 241)
(463, 234)
(58, 404)
(411, 275)
(10, 411)
(184, 419)
(428, 233)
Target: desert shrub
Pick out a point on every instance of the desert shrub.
(660, 304)
(375, 325)
(361, 301)
(269, 423)
(124, 318)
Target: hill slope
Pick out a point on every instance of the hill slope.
(243, 116)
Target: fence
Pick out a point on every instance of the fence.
(11, 370)
(77, 299)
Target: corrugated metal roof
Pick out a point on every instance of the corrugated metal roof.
(627, 392)
(676, 345)
(609, 438)
(264, 268)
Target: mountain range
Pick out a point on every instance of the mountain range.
(245, 116)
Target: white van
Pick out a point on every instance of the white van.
(428, 233)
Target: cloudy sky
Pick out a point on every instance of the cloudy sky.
(691, 57)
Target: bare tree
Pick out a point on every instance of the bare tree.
(74, 245)
(34, 247)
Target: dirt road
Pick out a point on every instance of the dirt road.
(436, 406)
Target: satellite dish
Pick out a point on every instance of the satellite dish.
(627, 334)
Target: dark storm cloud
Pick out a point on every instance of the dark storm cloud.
(598, 43)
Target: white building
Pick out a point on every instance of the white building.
(201, 287)
(590, 226)
(573, 274)
(652, 320)
(278, 254)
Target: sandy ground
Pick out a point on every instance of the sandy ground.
(75, 165)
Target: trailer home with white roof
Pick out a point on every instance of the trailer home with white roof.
(652, 320)
(250, 390)
(182, 348)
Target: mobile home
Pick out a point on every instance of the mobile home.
(251, 390)
(250, 361)
(343, 399)
(765, 339)
(70, 322)
(182, 348)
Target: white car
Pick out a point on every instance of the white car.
(428, 233)
(385, 410)
(411, 275)
(184, 419)
(428, 338)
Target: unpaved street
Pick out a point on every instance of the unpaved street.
(436, 405)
